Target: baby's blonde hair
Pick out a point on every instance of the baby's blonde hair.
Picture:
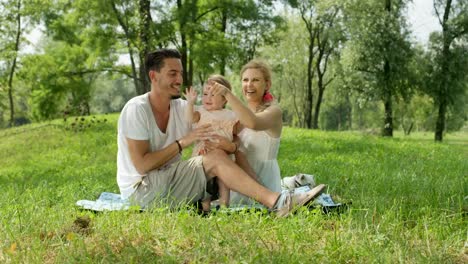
(219, 79)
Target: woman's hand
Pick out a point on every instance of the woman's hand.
(202, 133)
(219, 142)
(191, 95)
(218, 89)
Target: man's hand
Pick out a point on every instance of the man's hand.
(204, 132)
(219, 142)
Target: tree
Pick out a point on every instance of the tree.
(289, 64)
(321, 20)
(450, 53)
(329, 37)
(78, 49)
(12, 27)
(380, 50)
(17, 18)
(214, 34)
(308, 13)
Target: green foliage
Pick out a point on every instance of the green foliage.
(66, 89)
(380, 51)
(110, 95)
(407, 203)
(378, 36)
(77, 65)
(288, 61)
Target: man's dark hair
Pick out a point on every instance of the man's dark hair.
(155, 60)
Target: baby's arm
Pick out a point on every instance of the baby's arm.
(191, 115)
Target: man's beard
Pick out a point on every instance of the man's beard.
(173, 97)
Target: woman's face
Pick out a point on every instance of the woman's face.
(210, 102)
(254, 85)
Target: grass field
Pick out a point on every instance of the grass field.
(408, 198)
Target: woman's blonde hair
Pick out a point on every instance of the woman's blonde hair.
(266, 71)
(259, 65)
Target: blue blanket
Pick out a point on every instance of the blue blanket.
(113, 202)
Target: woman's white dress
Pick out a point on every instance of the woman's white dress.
(261, 150)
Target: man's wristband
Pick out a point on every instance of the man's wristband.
(180, 146)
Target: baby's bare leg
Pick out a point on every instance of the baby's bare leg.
(206, 205)
(217, 163)
(224, 193)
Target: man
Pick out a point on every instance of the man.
(152, 132)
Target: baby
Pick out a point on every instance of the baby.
(224, 123)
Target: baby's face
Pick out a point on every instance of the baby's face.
(210, 102)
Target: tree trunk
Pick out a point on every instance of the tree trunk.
(309, 95)
(1, 118)
(443, 88)
(320, 85)
(309, 100)
(388, 120)
(318, 103)
(387, 97)
(325, 48)
(137, 82)
(144, 36)
(13, 65)
(190, 73)
(183, 40)
(191, 40)
(310, 76)
(320, 75)
(222, 66)
(440, 123)
(350, 112)
(387, 100)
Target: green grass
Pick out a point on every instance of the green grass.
(407, 198)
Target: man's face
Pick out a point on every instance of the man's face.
(169, 79)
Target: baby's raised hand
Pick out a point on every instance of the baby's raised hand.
(191, 95)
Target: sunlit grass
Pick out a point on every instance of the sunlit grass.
(407, 198)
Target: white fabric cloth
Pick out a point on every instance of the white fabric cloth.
(261, 150)
(137, 122)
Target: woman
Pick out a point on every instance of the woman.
(262, 121)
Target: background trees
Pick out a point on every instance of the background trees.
(337, 64)
(380, 51)
(17, 18)
(449, 61)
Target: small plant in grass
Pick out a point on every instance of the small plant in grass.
(81, 123)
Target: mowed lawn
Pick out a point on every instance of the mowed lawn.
(408, 194)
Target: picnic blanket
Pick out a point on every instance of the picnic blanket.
(106, 202)
(113, 202)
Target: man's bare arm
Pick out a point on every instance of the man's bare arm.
(145, 160)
